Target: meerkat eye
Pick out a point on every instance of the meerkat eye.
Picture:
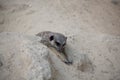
(57, 43)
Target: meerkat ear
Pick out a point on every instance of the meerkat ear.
(51, 38)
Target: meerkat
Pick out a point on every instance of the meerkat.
(57, 41)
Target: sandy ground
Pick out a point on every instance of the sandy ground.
(92, 28)
(26, 59)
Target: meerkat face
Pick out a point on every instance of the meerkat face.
(58, 41)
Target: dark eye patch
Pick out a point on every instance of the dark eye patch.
(57, 43)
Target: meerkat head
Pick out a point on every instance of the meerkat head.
(58, 41)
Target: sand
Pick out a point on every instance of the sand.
(92, 28)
